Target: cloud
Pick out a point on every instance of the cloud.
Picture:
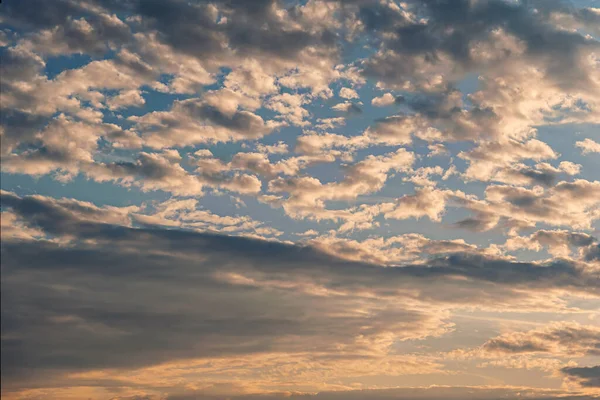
(486, 159)
(541, 174)
(92, 35)
(126, 99)
(63, 145)
(283, 239)
(186, 214)
(314, 143)
(564, 339)
(573, 204)
(588, 146)
(277, 148)
(290, 107)
(584, 376)
(386, 99)
(425, 202)
(64, 216)
(114, 297)
(558, 243)
(348, 93)
(429, 50)
(395, 250)
(307, 195)
(195, 121)
(163, 171)
(431, 393)
(347, 107)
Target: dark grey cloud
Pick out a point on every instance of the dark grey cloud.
(19, 127)
(568, 204)
(506, 346)
(444, 112)
(187, 27)
(70, 27)
(592, 253)
(541, 174)
(96, 292)
(586, 376)
(565, 338)
(93, 36)
(149, 166)
(251, 28)
(452, 27)
(203, 29)
(28, 13)
(59, 217)
(546, 178)
(194, 121)
(477, 224)
(239, 121)
(122, 297)
(19, 64)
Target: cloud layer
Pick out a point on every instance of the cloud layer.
(300, 199)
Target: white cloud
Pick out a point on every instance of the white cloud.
(347, 93)
(385, 100)
(588, 146)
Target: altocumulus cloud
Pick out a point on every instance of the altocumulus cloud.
(229, 199)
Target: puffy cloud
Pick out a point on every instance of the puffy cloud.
(290, 107)
(162, 171)
(487, 158)
(209, 166)
(260, 163)
(194, 121)
(330, 123)
(39, 95)
(125, 99)
(150, 302)
(251, 79)
(558, 243)
(348, 93)
(588, 146)
(395, 250)
(435, 117)
(315, 143)
(421, 176)
(195, 29)
(92, 35)
(307, 195)
(507, 45)
(574, 204)
(63, 145)
(277, 148)
(347, 107)
(462, 37)
(185, 214)
(437, 149)
(385, 100)
(541, 174)
(425, 202)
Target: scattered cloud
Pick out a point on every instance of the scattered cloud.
(300, 199)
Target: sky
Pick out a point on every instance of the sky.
(317, 199)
